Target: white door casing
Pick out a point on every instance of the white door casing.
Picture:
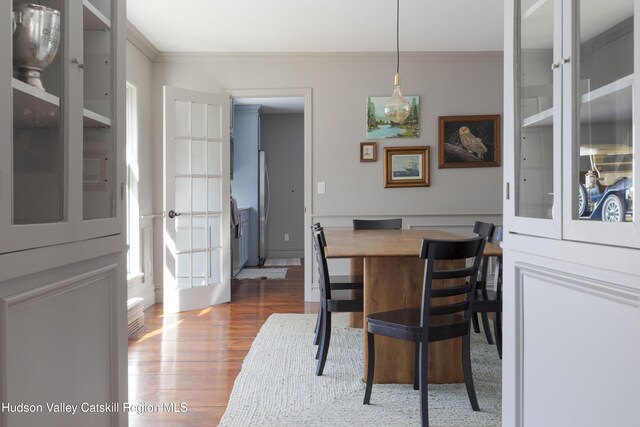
(196, 255)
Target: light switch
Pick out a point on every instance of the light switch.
(321, 188)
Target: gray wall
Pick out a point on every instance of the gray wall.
(449, 84)
(283, 143)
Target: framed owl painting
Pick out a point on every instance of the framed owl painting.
(468, 141)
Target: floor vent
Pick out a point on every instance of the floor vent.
(135, 314)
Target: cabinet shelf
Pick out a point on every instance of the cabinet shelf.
(36, 108)
(93, 18)
(609, 102)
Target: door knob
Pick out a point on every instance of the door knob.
(172, 214)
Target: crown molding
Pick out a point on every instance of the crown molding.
(204, 57)
(141, 42)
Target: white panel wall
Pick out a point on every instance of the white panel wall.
(576, 335)
(63, 332)
(571, 321)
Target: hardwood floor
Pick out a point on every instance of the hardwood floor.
(193, 358)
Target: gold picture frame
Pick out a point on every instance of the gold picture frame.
(406, 167)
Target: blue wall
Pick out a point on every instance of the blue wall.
(245, 183)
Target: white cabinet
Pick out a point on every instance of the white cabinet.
(572, 111)
(572, 232)
(62, 259)
(240, 244)
(59, 170)
(244, 236)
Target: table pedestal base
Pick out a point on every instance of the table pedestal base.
(393, 283)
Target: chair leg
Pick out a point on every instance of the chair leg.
(468, 375)
(424, 392)
(324, 344)
(316, 337)
(474, 321)
(486, 327)
(497, 325)
(320, 332)
(416, 367)
(371, 360)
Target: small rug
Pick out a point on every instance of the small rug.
(277, 385)
(281, 262)
(261, 273)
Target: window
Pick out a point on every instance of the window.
(134, 270)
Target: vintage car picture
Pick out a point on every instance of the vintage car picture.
(605, 190)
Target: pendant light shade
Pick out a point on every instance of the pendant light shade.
(397, 108)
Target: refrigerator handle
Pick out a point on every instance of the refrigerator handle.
(268, 191)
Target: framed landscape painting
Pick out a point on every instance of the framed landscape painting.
(469, 141)
(380, 126)
(406, 166)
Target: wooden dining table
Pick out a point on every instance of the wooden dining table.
(393, 277)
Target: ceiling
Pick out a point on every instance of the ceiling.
(318, 26)
(284, 26)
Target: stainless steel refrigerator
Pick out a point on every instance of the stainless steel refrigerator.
(263, 205)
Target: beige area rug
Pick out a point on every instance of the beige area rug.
(282, 262)
(261, 273)
(277, 385)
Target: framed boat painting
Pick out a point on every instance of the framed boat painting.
(406, 166)
(469, 141)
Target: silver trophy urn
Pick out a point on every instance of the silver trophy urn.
(35, 41)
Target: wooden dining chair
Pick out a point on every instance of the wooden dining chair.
(331, 300)
(483, 229)
(438, 318)
(489, 301)
(377, 224)
(338, 283)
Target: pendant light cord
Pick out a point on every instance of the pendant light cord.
(398, 37)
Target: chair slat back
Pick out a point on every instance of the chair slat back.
(319, 244)
(484, 229)
(437, 252)
(377, 224)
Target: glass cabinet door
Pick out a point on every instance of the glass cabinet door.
(39, 169)
(98, 137)
(59, 96)
(538, 129)
(601, 114)
(603, 176)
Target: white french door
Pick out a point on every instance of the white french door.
(196, 200)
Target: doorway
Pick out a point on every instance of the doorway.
(287, 212)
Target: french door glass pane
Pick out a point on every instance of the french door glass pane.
(198, 189)
(39, 149)
(603, 176)
(534, 145)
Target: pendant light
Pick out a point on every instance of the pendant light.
(397, 108)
